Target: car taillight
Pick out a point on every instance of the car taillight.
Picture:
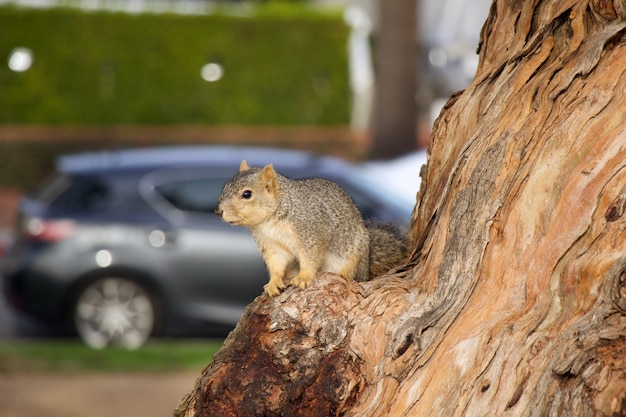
(41, 230)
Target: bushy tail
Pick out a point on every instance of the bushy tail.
(388, 248)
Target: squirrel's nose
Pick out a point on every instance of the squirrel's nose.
(219, 211)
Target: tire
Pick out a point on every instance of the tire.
(114, 311)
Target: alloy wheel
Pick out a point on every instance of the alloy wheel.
(114, 311)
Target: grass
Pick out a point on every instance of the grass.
(72, 356)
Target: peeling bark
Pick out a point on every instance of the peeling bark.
(513, 302)
(283, 360)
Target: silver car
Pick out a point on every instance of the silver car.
(123, 245)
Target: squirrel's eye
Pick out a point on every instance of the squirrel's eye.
(247, 194)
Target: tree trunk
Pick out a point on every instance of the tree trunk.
(513, 302)
(394, 130)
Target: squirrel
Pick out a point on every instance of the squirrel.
(307, 226)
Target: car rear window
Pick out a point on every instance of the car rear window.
(52, 188)
(79, 195)
(195, 195)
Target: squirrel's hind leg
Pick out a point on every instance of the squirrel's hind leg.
(304, 278)
(356, 267)
(310, 258)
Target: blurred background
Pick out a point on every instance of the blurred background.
(120, 120)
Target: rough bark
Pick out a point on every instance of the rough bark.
(513, 302)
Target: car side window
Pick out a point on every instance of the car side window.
(195, 195)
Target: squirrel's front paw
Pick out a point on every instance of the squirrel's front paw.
(273, 287)
(302, 280)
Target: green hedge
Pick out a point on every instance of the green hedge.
(282, 66)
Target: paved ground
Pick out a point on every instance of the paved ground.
(99, 395)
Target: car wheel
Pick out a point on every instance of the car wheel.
(114, 311)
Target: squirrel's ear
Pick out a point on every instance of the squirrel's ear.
(243, 166)
(268, 178)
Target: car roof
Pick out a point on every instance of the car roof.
(202, 155)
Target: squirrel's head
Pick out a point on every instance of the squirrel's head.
(251, 197)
